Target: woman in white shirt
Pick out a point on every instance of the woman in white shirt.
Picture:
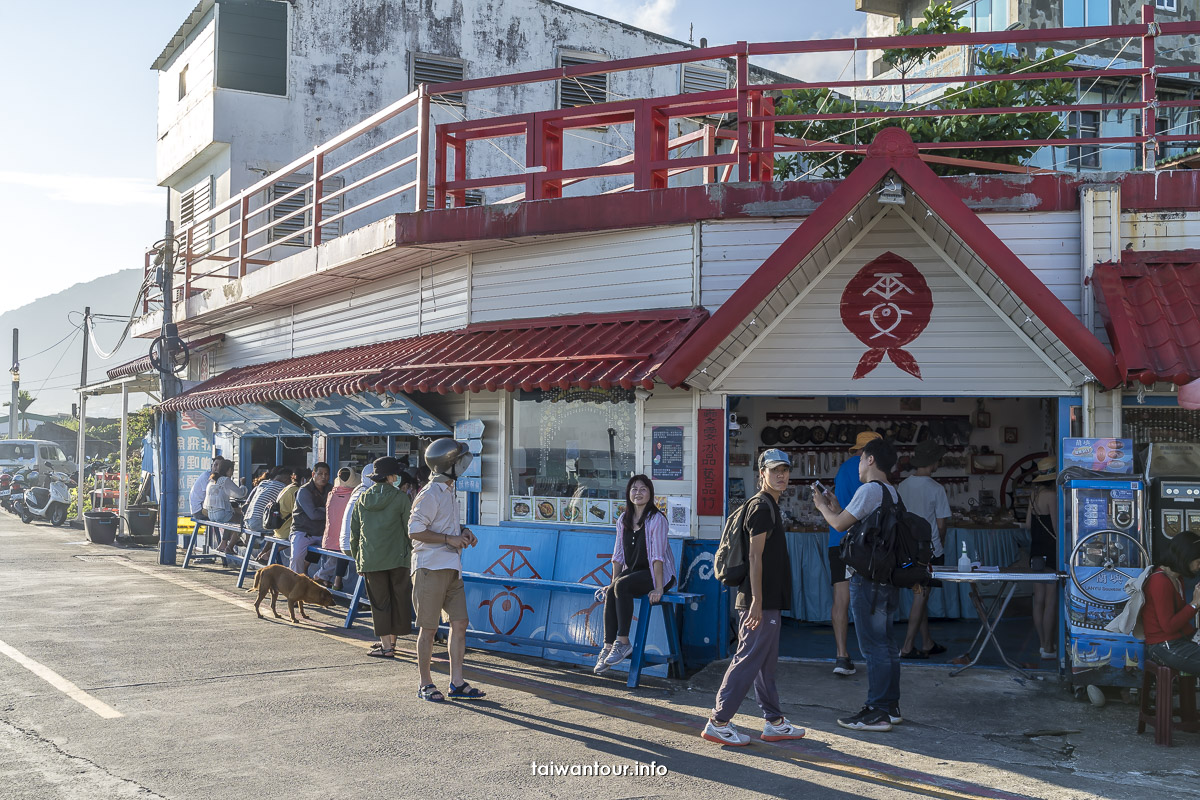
(217, 496)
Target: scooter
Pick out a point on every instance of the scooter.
(16, 487)
(6, 479)
(51, 503)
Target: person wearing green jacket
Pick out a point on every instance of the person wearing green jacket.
(382, 551)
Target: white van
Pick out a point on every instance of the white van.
(22, 453)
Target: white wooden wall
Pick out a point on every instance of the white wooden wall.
(967, 349)
(1161, 230)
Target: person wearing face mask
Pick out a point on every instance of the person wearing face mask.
(642, 564)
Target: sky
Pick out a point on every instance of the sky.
(78, 197)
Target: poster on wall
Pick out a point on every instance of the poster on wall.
(195, 449)
(679, 516)
(1099, 455)
(710, 462)
(666, 460)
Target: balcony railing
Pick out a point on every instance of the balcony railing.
(382, 165)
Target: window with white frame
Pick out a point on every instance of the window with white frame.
(1081, 13)
(1167, 5)
(581, 90)
(195, 203)
(573, 450)
(438, 69)
(288, 224)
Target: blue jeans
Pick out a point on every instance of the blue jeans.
(1180, 654)
(873, 605)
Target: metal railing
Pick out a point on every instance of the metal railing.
(391, 153)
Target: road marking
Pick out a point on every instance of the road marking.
(59, 682)
(851, 767)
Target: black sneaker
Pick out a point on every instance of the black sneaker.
(844, 666)
(869, 719)
(894, 716)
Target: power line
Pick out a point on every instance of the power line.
(74, 331)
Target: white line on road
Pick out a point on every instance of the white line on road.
(59, 682)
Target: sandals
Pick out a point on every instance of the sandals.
(466, 692)
(936, 650)
(431, 693)
(377, 651)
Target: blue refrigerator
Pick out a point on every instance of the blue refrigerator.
(1107, 543)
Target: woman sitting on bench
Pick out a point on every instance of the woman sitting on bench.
(1167, 620)
(642, 564)
(218, 495)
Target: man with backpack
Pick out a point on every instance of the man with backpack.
(763, 594)
(844, 486)
(872, 601)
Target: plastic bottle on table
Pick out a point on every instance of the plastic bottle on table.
(964, 561)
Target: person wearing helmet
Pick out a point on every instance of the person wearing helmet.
(438, 538)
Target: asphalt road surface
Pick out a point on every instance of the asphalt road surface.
(120, 678)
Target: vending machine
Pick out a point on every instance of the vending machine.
(1173, 474)
(1106, 545)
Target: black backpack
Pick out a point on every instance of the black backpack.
(274, 519)
(890, 545)
(732, 564)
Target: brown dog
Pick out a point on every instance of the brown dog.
(298, 589)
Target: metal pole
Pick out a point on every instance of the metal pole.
(81, 438)
(168, 445)
(14, 409)
(123, 483)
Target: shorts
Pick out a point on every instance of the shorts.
(435, 591)
(837, 567)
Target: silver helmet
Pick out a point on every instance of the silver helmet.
(448, 457)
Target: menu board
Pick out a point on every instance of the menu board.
(1099, 455)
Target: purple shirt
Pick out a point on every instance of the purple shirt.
(657, 547)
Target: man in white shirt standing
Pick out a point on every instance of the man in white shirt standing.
(925, 496)
(438, 538)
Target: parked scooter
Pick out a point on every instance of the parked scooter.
(51, 503)
(6, 490)
(16, 487)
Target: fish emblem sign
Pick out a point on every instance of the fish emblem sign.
(886, 306)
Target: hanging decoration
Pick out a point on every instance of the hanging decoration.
(886, 306)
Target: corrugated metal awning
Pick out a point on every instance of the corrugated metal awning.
(1150, 303)
(139, 365)
(622, 350)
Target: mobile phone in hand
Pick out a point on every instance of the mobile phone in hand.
(820, 487)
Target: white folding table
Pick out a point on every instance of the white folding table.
(991, 613)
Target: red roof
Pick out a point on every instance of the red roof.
(140, 365)
(893, 150)
(591, 350)
(1150, 303)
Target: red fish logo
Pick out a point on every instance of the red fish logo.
(886, 306)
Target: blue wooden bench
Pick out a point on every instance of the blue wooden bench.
(638, 659)
(356, 597)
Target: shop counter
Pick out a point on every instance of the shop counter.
(812, 597)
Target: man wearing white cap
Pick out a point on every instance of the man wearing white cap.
(761, 599)
(844, 486)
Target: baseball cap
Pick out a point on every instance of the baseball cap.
(773, 457)
(927, 454)
(863, 438)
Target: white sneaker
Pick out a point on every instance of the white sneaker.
(620, 651)
(724, 734)
(782, 731)
(601, 664)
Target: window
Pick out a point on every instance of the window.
(1085, 125)
(194, 203)
(581, 90)
(436, 69)
(183, 82)
(474, 198)
(573, 451)
(1167, 5)
(12, 452)
(290, 228)
(979, 15)
(695, 78)
(252, 46)
(1078, 13)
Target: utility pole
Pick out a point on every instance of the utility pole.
(168, 444)
(14, 410)
(81, 446)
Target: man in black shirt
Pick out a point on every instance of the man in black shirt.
(766, 592)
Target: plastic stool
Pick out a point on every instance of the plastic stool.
(1163, 680)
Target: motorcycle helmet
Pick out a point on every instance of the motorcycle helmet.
(448, 457)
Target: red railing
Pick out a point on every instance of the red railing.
(388, 155)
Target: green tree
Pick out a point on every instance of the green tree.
(937, 19)
(24, 401)
(1013, 127)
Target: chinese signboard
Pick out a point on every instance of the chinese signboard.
(886, 306)
(195, 449)
(1099, 455)
(710, 463)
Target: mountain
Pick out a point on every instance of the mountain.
(51, 345)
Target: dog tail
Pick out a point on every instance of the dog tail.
(254, 588)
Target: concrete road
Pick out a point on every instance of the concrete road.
(123, 679)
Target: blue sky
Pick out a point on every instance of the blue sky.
(77, 192)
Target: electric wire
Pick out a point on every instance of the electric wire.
(61, 356)
(74, 330)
